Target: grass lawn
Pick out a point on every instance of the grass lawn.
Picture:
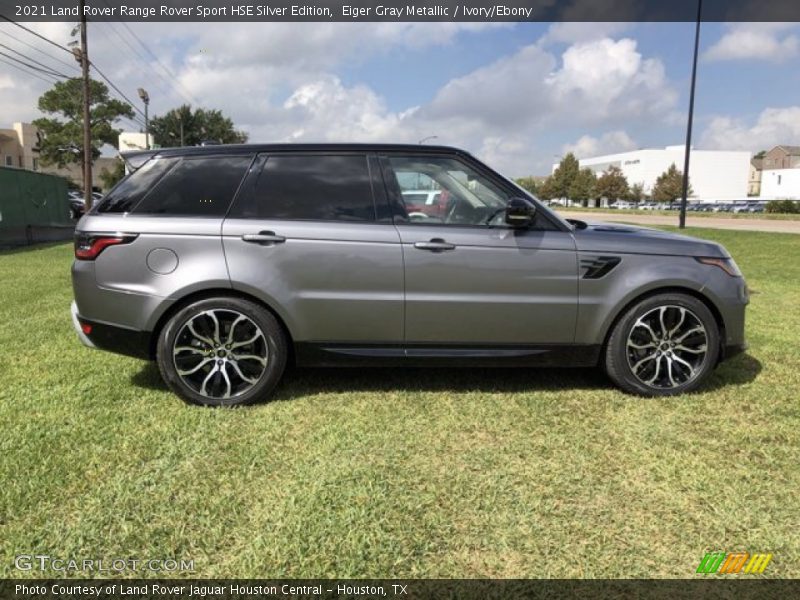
(384, 473)
(691, 214)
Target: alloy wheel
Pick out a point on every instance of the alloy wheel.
(667, 347)
(220, 353)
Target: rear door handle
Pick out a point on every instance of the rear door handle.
(265, 238)
(435, 245)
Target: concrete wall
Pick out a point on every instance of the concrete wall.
(714, 175)
(779, 184)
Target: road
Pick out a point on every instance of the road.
(710, 222)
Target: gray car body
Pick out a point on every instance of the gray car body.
(347, 293)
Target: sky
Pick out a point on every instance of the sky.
(517, 95)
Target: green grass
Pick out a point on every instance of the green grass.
(691, 214)
(392, 473)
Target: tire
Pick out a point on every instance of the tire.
(648, 356)
(236, 362)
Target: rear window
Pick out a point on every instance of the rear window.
(202, 187)
(133, 188)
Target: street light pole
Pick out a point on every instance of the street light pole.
(688, 150)
(146, 99)
(87, 126)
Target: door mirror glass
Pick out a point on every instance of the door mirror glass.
(520, 212)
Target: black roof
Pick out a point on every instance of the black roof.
(329, 147)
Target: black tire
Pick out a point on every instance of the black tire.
(273, 343)
(618, 354)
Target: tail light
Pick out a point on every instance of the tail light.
(88, 246)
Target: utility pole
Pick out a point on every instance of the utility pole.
(146, 99)
(688, 150)
(87, 126)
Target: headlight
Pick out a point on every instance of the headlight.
(726, 264)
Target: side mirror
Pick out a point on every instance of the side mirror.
(520, 212)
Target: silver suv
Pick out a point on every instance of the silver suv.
(225, 263)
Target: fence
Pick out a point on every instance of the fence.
(33, 208)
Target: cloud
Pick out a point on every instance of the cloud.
(755, 41)
(283, 82)
(576, 31)
(773, 126)
(608, 143)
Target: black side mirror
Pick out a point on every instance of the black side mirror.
(520, 212)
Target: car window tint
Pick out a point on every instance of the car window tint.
(133, 188)
(311, 187)
(197, 187)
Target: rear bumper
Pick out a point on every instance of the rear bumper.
(103, 336)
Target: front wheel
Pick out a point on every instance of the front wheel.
(665, 345)
(222, 352)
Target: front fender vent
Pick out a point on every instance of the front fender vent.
(599, 266)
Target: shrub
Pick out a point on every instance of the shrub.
(782, 206)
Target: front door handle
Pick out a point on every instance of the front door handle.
(435, 245)
(265, 238)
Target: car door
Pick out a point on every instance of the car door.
(306, 236)
(469, 278)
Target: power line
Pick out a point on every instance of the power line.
(111, 83)
(32, 47)
(35, 68)
(41, 37)
(10, 64)
(33, 60)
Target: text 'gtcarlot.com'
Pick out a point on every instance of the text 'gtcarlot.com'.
(43, 562)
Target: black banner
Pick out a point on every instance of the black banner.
(705, 587)
(402, 10)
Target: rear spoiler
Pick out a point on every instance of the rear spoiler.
(136, 158)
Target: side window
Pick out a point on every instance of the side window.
(201, 187)
(310, 187)
(438, 190)
(133, 188)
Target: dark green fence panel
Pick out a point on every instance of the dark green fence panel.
(33, 208)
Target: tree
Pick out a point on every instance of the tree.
(110, 177)
(760, 154)
(583, 186)
(612, 184)
(564, 175)
(527, 183)
(198, 125)
(545, 191)
(61, 140)
(669, 186)
(636, 193)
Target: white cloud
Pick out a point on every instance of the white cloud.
(774, 126)
(576, 31)
(608, 143)
(280, 82)
(759, 41)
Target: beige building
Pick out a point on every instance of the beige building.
(18, 149)
(782, 157)
(754, 178)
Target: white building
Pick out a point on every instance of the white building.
(780, 184)
(132, 140)
(714, 175)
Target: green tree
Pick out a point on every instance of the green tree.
(528, 183)
(612, 184)
(636, 192)
(582, 187)
(564, 175)
(545, 191)
(110, 177)
(760, 154)
(669, 185)
(197, 126)
(62, 133)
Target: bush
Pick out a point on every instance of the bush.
(782, 206)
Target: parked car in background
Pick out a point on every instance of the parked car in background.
(424, 204)
(223, 263)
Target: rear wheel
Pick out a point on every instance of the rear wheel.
(222, 352)
(664, 345)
